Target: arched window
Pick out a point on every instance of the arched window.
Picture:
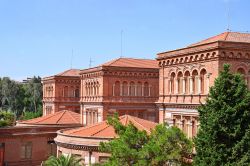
(77, 92)
(195, 81)
(97, 88)
(187, 82)
(146, 89)
(72, 91)
(171, 83)
(132, 89)
(241, 71)
(94, 88)
(180, 82)
(139, 89)
(91, 89)
(117, 88)
(86, 90)
(125, 88)
(203, 82)
(65, 91)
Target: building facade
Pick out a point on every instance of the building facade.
(61, 92)
(187, 73)
(125, 85)
(84, 141)
(31, 142)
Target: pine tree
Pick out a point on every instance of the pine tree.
(224, 134)
(164, 146)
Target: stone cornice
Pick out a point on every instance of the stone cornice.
(78, 147)
(204, 48)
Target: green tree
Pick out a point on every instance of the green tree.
(165, 145)
(224, 134)
(69, 160)
(6, 118)
(31, 115)
(21, 98)
(9, 94)
(33, 90)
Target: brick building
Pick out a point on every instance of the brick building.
(124, 85)
(187, 73)
(61, 92)
(84, 141)
(31, 142)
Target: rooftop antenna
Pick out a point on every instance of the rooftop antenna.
(228, 15)
(121, 42)
(90, 62)
(71, 60)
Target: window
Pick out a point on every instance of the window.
(48, 110)
(146, 89)
(77, 93)
(65, 91)
(139, 89)
(117, 88)
(26, 150)
(132, 89)
(125, 89)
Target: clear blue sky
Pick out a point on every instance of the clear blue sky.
(37, 36)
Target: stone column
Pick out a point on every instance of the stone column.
(149, 90)
(189, 130)
(84, 117)
(121, 88)
(179, 124)
(100, 115)
(113, 89)
(191, 85)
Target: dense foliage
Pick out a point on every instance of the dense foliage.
(21, 98)
(224, 134)
(6, 118)
(69, 160)
(165, 146)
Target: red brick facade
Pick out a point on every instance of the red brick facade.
(129, 89)
(124, 85)
(169, 90)
(186, 75)
(61, 92)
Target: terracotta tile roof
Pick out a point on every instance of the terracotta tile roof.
(58, 118)
(103, 130)
(226, 36)
(70, 72)
(131, 62)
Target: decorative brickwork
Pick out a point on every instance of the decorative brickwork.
(186, 75)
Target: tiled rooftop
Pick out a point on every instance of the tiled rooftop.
(131, 62)
(70, 72)
(226, 36)
(58, 118)
(103, 130)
